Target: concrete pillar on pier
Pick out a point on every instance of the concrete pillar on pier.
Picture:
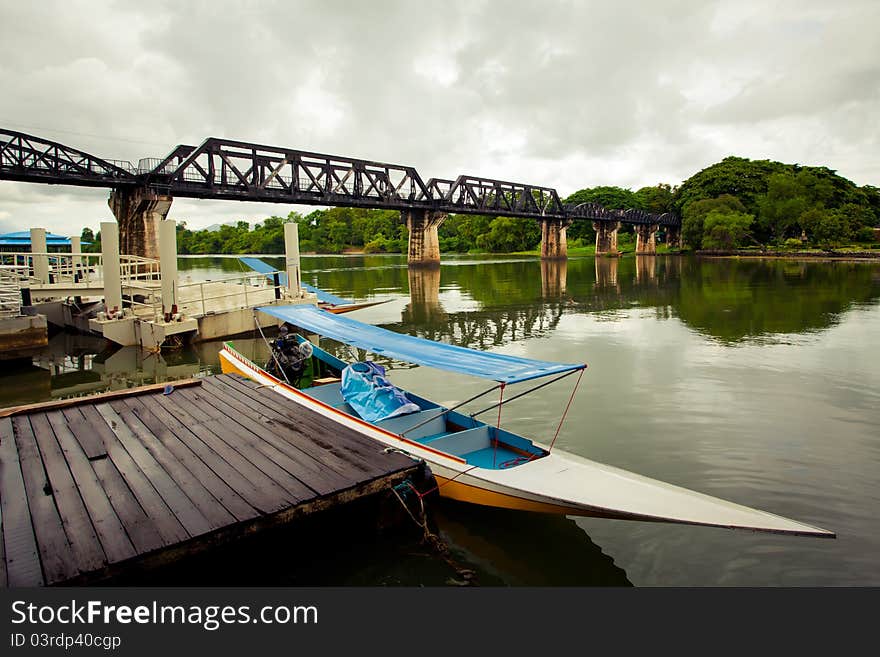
(673, 237)
(110, 258)
(554, 275)
(424, 244)
(606, 237)
(291, 258)
(554, 244)
(40, 262)
(646, 238)
(75, 256)
(168, 265)
(138, 212)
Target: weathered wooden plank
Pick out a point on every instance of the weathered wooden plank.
(356, 443)
(20, 558)
(182, 507)
(56, 555)
(278, 497)
(319, 476)
(169, 431)
(88, 439)
(151, 502)
(114, 540)
(81, 534)
(271, 446)
(252, 447)
(98, 397)
(209, 507)
(313, 433)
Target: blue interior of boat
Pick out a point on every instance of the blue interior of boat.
(451, 432)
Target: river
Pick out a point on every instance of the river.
(753, 380)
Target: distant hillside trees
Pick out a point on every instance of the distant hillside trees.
(789, 204)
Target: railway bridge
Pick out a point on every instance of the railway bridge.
(141, 195)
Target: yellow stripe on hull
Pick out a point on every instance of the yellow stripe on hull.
(466, 493)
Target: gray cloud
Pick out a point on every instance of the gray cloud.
(565, 94)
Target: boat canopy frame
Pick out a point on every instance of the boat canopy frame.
(502, 368)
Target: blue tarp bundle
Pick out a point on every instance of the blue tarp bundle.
(368, 392)
(408, 348)
(265, 268)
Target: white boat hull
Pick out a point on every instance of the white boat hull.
(556, 483)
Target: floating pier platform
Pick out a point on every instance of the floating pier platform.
(94, 487)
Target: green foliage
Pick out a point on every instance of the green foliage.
(695, 213)
(658, 199)
(788, 200)
(726, 230)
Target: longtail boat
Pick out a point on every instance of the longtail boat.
(472, 460)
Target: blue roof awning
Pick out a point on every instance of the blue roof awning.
(23, 238)
(264, 268)
(408, 348)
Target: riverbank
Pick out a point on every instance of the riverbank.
(792, 255)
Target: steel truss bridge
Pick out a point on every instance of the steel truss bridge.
(241, 171)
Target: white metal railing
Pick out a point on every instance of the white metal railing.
(10, 290)
(84, 268)
(243, 282)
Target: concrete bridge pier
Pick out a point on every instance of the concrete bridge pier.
(646, 238)
(138, 212)
(673, 237)
(424, 244)
(606, 236)
(554, 244)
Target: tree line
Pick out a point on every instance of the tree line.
(732, 204)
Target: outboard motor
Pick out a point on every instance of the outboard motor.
(289, 356)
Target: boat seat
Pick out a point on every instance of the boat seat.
(328, 393)
(401, 423)
(462, 442)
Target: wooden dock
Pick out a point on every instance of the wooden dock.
(93, 487)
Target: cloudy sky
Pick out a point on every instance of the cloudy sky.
(563, 94)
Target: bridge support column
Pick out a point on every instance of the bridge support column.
(138, 212)
(424, 244)
(606, 236)
(554, 244)
(646, 238)
(673, 237)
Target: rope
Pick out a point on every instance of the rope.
(567, 406)
(497, 426)
(271, 351)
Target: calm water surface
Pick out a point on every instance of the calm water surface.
(755, 381)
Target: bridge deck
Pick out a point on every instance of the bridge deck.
(94, 487)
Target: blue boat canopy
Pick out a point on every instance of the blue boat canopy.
(408, 348)
(265, 268)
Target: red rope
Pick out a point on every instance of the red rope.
(567, 406)
(497, 426)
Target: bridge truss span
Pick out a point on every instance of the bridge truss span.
(236, 170)
(221, 168)
(26, 158)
